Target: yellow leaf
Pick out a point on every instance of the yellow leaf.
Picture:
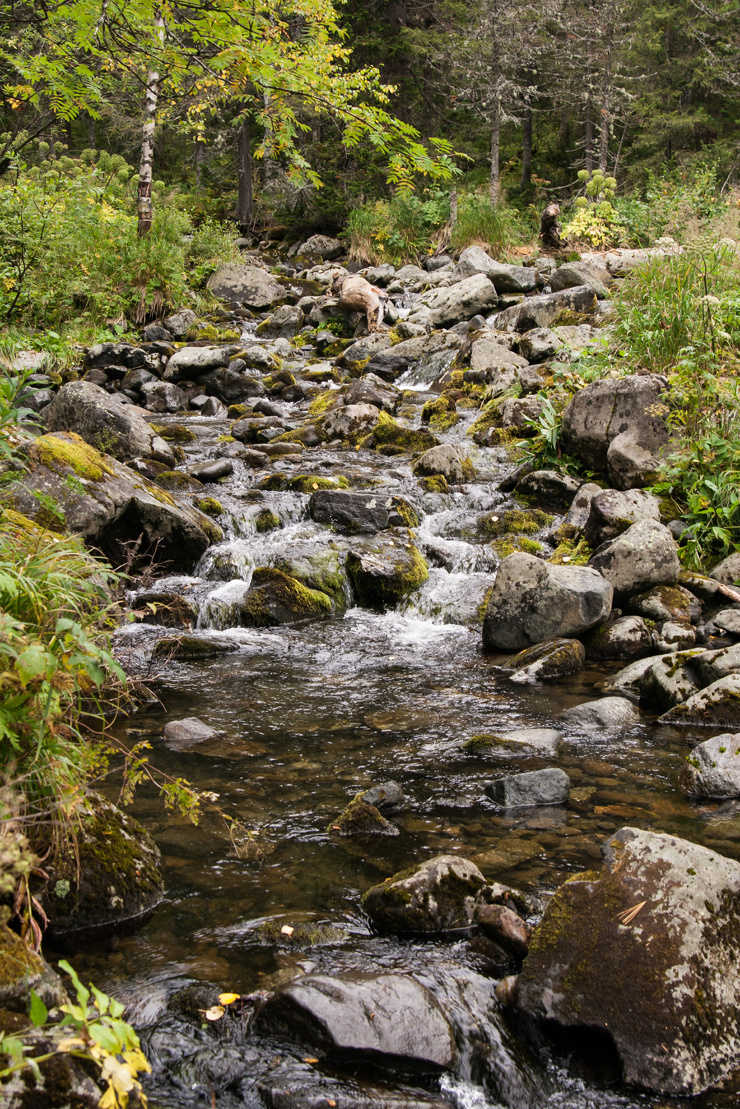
(108, 1100)
(70, 1044)
(286, 930)
(228, 998)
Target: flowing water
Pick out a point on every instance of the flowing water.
(307, 715)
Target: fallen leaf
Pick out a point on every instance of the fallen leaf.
(310, 1059)
(228, 998)
(286, 930)
(628, 915)
(215, 1012)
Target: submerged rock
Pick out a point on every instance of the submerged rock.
(536, 787)
(439, 895)
(713, 768)
(648, 953)
(361, 818)
(506, 927)
(192, 647)
(385, 796)
(556, 658)
(519, 741)
(180, 735)
(333, 1015)
(534, 601)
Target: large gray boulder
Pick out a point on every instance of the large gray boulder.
(323, 245)
(106, 424)
(507, 279)
(642, 556)
(713, 665)
(625, 638)
(539, 344)
(713, 768)
(371, 389)
(470, 297)
(439, 895)
(607, 712)
(350, 421)
(452, 462)
(387, 1017)
(647, 953)
(385, 569)
(534, 600)
(543, 311)
(488, 356)
(728, 571)
(535, 787)
(191, 362)
(180, 322)
(246, 286)
(612, 511)
(358, 513)
(599, 416)
(573, 274)
(107, 504)
(715, 706)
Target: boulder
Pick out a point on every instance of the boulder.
(470, 297)
(543, 311)
(539, 344)
(507, 279)
(108, 878)
(548, 489)
(627, 681)
(607, 712)
(450, 461)
(713, 768)
(117, 357)
(728, 619)
(387, 1018)
(179, 323)
(666, 602)
(642, 556)
(629, 463)
(647, 954)
(713, 665)
(359, 353)
(506, 927)
(213, 470)
(246, 286)
(371, 389)
(108, 505)
(728, 571)
(608, 409)
(439, 895)
(361, 818)
(674, 636)
(537, 787)
(26, 971)
(191, 362)
(533, 601)
(163, 396)
(519, 411)
(180, 735)
(385, 569)
(495, 364)
(230, 386)
(628, 637)
(323, 245)
(317, 565)
(351, 422)
(613, 511)
(274, 598)
(103, 422)
(578, 513)
(387, 797)
(360, 513)
(573, 274)
(716, 706)
(545, 742)
(556, 658)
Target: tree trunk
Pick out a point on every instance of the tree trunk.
(604, 143)
(145, 207)
(199, 155)
(244, 174)
(527, 147)
(91, 133)
(495, 143)
(589, 135)
(270, 168)
(453, 210)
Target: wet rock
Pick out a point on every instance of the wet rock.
(533, 601)
(450, 461)
(210, 406)
(109, 505)
(627, 682)
(371, 389)
(23, 971)
(548, 489)
(332, 1015)
(606, 409)
(556, 658)
(670, 679)
(642, 556)
(716, 706)
(275, 598)
(246, 286)
(536, 787)
(646, 952)
(506, 278)
(729, 620)
(467, 298)
(361, 818)
(227, 561)
(109, 878)
(613, 511)
(104, 423)
(713, 768)
(519, 741)
(607, 712)
(192, 647)
(285, 322)
(161, 396)
(439, 895)
(180, 735)
(230, 386)
(539, 344)
(543, 311)
(169, 610)
(387, 797)
(191, 362)
(255, 429)
(212, 471)
(667, 602)
(360, 513)
(713, 665)
(385, 570)
(319, 566)
(628, 637)
(728, 571)
(390, 437)
(506, 927)
(352, 422)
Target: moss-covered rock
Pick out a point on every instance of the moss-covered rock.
(386, 569)
(209, 505)
(177, 481)
(510, 543)
(275, 598)
(573, 552)
(21, 971)
(110, 877)
(192, 647)
(361, 819)
(298, 934)
(323, 402)
(319, 567)
(266, 520)
(174, 433)
(435, 484)
(513, 521)
(440, 895)
(168, 610)
(389, 433)
(556, 658)
(309, 483)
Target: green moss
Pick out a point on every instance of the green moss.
(321, 404)
(388, 432)
(209, 505)
(273, 483)
(435, 484)
(71, 451)
(514, 520)
(407, 512)
(280, 377)
(361, 819)
(276, 598)
(190, 647)
(213, 531)
(510, 544)
(301, 936)
(17, 962)
(399, 577)
(442, 406)
(177, 481)
(174, 433)
(235, 411)
(309, 483)
(572, 552)
(266, 520)
(215, 335)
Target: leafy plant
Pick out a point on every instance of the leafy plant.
(595, 220)
(543, 451)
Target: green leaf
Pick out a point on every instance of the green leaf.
(38, 1014)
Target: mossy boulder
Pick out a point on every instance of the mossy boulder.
(648, 953)
(389, 433)
(628, 637)
(556, 658)
(361, 819)
(104, 423)
(110, 878)
(177, 481)
(168, 610)
(716, 706)
(309, 483)
(435, 484)
(292, 934)
(23, 970)
(448, 460)
(209, 505)
(361, 513)
(187, 647)
(319, 567)
(514, 520)
(175, 433)
(275, 598)
(267, 520)
(386, 569)
(440, 895)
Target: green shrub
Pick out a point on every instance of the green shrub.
(497, 228)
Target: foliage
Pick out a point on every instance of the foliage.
(543, 451)
(497, 227)
(96, 1033)
(595, 219)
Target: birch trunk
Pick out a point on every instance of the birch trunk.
(145, 206)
